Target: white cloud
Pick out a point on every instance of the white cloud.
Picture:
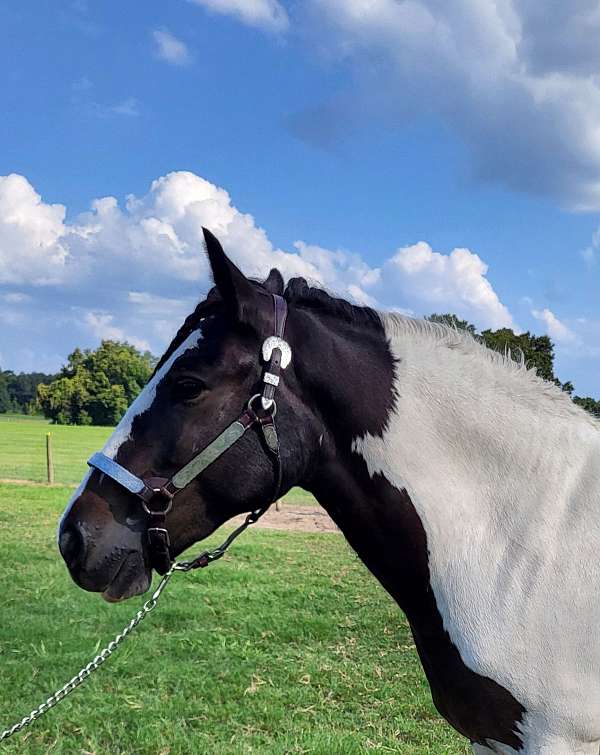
(15, 297)
(135, 271)
(165, 314)
(343, 271)
(129, 107)
(517, 83)
(266, 14)
(150, 304)
(170, 48)
(31, 235)
(556, 329)
(101, 325)
(590, 253)
(454, 282)
(84, 101)
(578, 347)
(161, 234)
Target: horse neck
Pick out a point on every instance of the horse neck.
(468, 421)
(468, 445)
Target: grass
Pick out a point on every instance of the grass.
(23, 452)
(23, 448)
(19, 416)
(287, 645)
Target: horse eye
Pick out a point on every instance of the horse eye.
(188, 388)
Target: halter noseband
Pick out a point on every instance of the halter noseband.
(157, 493)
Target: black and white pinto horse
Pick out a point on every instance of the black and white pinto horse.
(467, 485)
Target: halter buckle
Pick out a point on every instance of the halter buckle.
(159, 534)
(274, 342)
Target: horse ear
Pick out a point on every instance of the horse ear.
(274, 283)
(235, 289)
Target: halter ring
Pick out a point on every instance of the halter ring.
(269, 410)
(157, 492)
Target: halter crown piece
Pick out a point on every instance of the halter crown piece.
(157, 493)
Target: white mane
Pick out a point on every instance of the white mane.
(516, 378)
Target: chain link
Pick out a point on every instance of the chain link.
(94, 664)
(205, 559)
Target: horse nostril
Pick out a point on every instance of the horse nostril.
(70, 544)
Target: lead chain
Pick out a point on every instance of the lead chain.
(184, 566)
(94, 664)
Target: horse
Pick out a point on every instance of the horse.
(467, 485)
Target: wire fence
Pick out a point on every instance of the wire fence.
(24, 451)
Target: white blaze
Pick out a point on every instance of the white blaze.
(141, 404)
(146, 398)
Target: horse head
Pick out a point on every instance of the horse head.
(213, 377)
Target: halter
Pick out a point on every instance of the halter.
(157, 493)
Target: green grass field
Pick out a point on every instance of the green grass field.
(23, 451)
(287, 645)
(23, 448)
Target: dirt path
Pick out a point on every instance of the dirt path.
(289, 518)
(294, 519)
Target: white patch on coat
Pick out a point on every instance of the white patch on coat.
(546, 745)
(480, 750)
(142, 403)
(146, 397)
(504, 472)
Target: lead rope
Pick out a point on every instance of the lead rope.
(205, 559)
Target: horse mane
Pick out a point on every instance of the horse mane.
(449, 336)
(299, 293)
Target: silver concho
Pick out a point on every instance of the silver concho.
(274, 342)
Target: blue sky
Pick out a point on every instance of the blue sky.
(421, 156)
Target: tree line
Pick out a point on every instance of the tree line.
(18, 391)
(538, 352)
(95, 387)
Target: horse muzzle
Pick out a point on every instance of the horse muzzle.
(117, 570)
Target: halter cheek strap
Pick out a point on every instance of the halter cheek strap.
(157, 493)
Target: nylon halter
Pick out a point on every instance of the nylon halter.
(157, 493)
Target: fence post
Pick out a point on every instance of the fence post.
(49, 460)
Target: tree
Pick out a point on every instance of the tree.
(96, 387)
(64, 400)
(453, 321)
(537, 351)
(589, 404)
(18, 391)
(6, 404)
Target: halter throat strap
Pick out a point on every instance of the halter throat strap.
(157, 493)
